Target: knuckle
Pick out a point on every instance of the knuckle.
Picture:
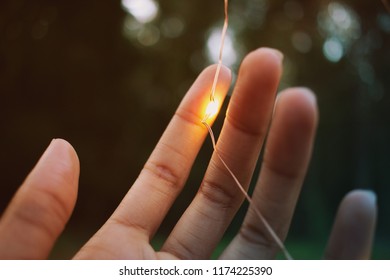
(181, 250)
(43, 211)
(255, 235)
(188, 117)
(286, 174)
(36, 217)
(164, 174)
(218, 194)
(244, 128)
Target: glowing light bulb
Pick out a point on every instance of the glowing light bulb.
(211, 109)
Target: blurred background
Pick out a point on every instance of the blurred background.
(108, 75)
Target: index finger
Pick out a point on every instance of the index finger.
(166, 171)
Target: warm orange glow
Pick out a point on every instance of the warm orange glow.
(211, 109)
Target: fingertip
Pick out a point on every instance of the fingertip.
(61, 158)
(261, 67)
(224, 78)
(67, 149)
(362, 195)
(301, 104)
(271, 59)
(264, 52)
(354, 227)
(361, 205)
(300, 94)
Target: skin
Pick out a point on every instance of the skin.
(43, 204)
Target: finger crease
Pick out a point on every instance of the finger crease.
(164, 173)
(35, 222)
(244, 129)
(129, 225)
(183, 252)
(253, 235)
(218, 194)
(190, 118)
(280, 172)
(59, 207)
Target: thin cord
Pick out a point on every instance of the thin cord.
(249, 199)
(223, 36)
(204, 122)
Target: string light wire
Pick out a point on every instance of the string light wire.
(211, 110)
(223, 36)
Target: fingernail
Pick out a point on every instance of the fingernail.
(47, 153)
(371, 195)
(310, 94)
(61, 154)
(49, 147)
(277, 53)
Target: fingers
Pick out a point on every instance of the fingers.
(353, 230)
(203, 224)
(166, 171)
(286, 157)
(41, 207)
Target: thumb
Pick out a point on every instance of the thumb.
(42, 206)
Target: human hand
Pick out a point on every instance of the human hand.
(41, 207)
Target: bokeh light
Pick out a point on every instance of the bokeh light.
(340, 26)
(301, 41)
(143, 10)
(333, 49)
(172, 27)
(229, 57)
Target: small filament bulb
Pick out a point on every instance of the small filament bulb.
(211, 109)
